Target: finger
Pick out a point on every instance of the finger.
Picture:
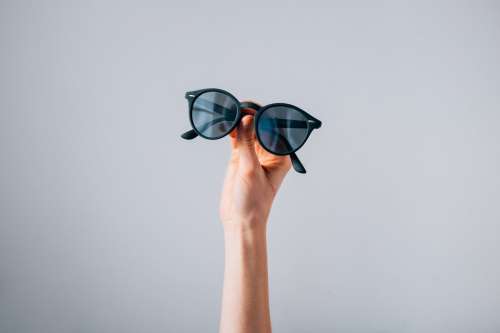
(246, 143)
(233, 135)
(233, 139)
(276, 167)
(277, 171)
(271, 161)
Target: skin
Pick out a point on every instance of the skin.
(252, 180)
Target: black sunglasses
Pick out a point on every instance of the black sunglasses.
(280, 128)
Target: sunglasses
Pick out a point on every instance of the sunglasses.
(280, 128)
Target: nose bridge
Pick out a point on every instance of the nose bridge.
(249, 105)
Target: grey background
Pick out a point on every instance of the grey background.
(109, 220)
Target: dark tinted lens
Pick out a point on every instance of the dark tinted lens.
(282, 129)
(214, 114)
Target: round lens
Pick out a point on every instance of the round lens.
(282, 129)
(214, 114)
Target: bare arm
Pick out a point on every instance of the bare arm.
(245, 304)
(252, 181)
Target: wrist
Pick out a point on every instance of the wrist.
(245, 226)
(245, 244)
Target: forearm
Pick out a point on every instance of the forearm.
(245, 301)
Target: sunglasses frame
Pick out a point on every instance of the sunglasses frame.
(312, 123)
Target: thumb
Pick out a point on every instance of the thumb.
(246, 143)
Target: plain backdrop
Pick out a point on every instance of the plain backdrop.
(109, 222)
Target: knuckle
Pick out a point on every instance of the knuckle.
(249, 171)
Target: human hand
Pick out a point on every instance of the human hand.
(252, 179)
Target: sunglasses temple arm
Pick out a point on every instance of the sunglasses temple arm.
(189, 135)
(297, 164)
